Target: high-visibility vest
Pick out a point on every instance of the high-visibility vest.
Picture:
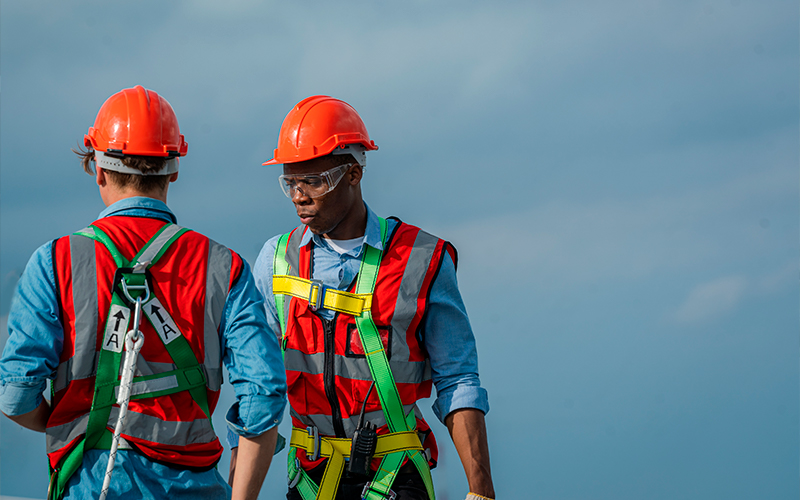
(328, 376)
(190, 282)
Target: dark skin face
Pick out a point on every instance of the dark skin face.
(338, 215)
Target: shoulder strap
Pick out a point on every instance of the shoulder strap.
(388, 394)
(281, 268)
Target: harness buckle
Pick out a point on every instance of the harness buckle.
(126, 287)
(320, 289)
(313, 432)
(391, 494)
(297, 473)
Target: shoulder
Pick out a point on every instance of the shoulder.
(268, 250)
(395, 226)
(402, 234)
(221, 259)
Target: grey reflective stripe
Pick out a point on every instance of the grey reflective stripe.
(324, 423)
(84, 302)
(153, 385)
(213, 377)
(68, 371)
(413, 277)
(218, 277)
(65, 372)
(158, 244)
(145, 368)
(404, 372)
(139, 425)
(59, 436)
(293, 251)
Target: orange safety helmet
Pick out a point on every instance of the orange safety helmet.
(316, 127)
(138, 122)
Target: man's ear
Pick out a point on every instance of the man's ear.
(355, 174)
(100, 175)
(173, 177)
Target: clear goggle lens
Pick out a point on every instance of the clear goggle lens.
(313, 185)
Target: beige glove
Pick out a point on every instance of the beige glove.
(475, 496)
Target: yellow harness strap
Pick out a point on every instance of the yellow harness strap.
(337, 449)
(333, 299)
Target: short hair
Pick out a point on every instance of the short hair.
(144, 164)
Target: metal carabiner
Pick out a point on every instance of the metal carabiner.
(297, 476)
(134, 333)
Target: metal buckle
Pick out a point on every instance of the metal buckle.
(316, 285)
(126, 287)
(313, 432)
(366, 490)
(298, 473)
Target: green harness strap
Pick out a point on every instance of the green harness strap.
(388, 394)
(281, 267)
(188, 376)
(380, 487)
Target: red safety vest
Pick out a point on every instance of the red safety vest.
(327, 374)
(191, 280)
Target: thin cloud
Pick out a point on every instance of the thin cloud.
(712, 299)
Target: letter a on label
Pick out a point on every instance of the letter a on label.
(116, 326)
(162, 321)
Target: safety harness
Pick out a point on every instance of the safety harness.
(402, 441)
(132, 288)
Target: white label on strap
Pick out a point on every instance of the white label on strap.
(162, 321)
(116, 327)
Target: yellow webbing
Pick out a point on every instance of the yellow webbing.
(337, 449)
(335, 300)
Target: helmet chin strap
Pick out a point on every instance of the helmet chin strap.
(107, 162)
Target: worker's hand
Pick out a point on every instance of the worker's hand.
(475, 496)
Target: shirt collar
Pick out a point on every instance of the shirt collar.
(372, 233)
(155, 208)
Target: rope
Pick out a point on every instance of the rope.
(133, 344)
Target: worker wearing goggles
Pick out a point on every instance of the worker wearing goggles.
(313, 185)
(367, 330)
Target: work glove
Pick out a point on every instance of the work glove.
(475, 496)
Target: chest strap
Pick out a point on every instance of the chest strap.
(320, 296)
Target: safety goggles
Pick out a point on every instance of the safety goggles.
(313, 185)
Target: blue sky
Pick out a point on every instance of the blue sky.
(620, 179)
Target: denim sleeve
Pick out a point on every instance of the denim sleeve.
(36, 337)
(253, 360)
(451, 347)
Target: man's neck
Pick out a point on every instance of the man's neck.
(354, 225)
(112, 196)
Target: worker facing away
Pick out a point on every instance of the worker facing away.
(370, 317)
(168, 307)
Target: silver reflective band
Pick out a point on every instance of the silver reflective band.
(153, 385)
(110, 163)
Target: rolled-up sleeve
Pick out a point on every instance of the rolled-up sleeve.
(451, 346)
(253, 360)
(36, 337)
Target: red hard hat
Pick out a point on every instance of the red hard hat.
(315, 127)
(138, 122)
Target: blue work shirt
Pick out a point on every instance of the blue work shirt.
(251, 355)
(447, 333)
